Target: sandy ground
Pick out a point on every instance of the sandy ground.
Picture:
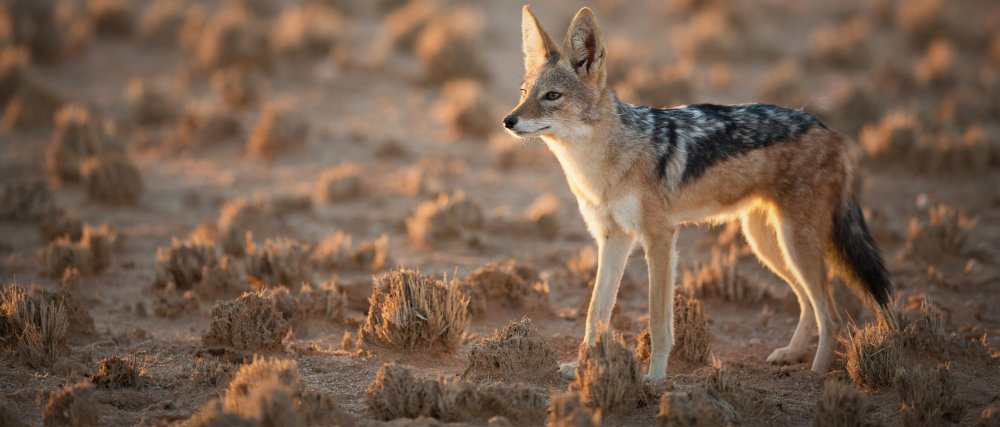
(354, 112)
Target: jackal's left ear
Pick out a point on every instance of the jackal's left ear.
(584, 47)
(537, 45)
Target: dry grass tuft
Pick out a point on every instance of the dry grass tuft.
(150, 102)
(48, 35)
(111, 179)
(112, 18)
(397, 393)
(447, 217)
(171, 303)
(691, 335)
(873, 352)
(844, 44)
(922, 20)
(517, 353)
(891, 139)
(567, 410)
(928, 396)
(58, 222)
(935, 68)
(72, 406)
(32, 327)
(337, 251)
(544, 214)
(240, 216)
(411, 311)
(25, 201)
(161, 22)
(448, 48)
(841, 405)
(118, 372)
(340, 183)
(248, 324)
(466, 108)
(205, 124)
(721, 279)
(279, 262)
(236, 86)
(311, 29)
(232, 36)
(695, 407)
(28, 101)
(944, 233)
(196, 265)
(325, 301)
(78, 136)
(510, 285)
(608, 376)
(91, 254)
(278, 130)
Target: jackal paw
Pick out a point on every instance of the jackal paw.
(652, 376)
(786, 355)
(568, 370)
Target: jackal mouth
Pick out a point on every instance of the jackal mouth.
(526, 133)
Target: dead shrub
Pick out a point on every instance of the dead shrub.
(517, 353)
(922, 20)
(35, 25)
(310, 29)
(567, 410)
(112, 18)
(212, 372)
(695, 407)
(608, 376)
(720, 278)
(691, 329)
(278, 262)
(782, 85)
(935, 68)
(245, 325)
(448, 48)
(337, 251)
(204, 125)
(161, 22)
(232, 36)
(340, 183)
(873, 353)
(326, 301)
(237, 87)
(397, 393)
(118, 372)
(844, 44)
(182, 263)
(171, 303)
(32, 327)
(510, 285)
(854, 106)
(277, 131)
(928, 396)
(80, 325)
(32, 105)
(400, 29)
(841, 405)
(944, 233)
(465, 107)
(25, 201)
(72, 405)
(58, 222)
(111, 179)
(710, 33)
(412, 311)
(446, 217)
(91, 254)
(544, 214)
(892, 139)
(150, 102)
(14, 69)
(239, 217)
(78, 136)
(668, 86)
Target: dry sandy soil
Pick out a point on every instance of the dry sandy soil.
(256, 106)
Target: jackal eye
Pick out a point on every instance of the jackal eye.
(552, 96)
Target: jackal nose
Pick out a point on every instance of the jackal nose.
(509, 122)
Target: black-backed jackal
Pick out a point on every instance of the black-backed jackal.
(640, 172)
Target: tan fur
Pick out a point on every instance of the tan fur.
(785, 194)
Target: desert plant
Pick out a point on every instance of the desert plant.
(150, 102)
(608, 375)
(248, 324)
(279, 262)
(240, 216)
(567, 410)
(447, 217)
(310, 29)
(944, 232)
(928, 396)
(691, 335)
(464, 107)
(112, 18)
(161, 22)
(73, 405)
(873, 352)
(841, 405)
(516, 353)
(447, 48)
(25, 201)
(340, 183)
(111, 179)
(31, 326)
(410, 310)
(509, 285)
(118, 372)
(720, 278)
(232, 36)
(183, 263)
(78, 136)
(278, 130)
(843, 44)
(695, 407)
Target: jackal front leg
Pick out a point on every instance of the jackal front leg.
(661, 259)
(612, 253)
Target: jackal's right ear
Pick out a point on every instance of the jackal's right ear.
(537, 45)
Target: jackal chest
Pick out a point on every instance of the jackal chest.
(624, 212)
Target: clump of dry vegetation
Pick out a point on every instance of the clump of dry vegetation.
(25, 201)
(397, 393)
(412, 311)
(111, 179)
(271, 392)
(666, 87)
(543, 213)
(51, 31)
(922, 20)
(928, 396)
(325, 301)
(161, 22)
(699, 406)
(171, 303)
(844, 44)
(337, 251)
(112, 18)
(310, 29)
(203, 125)
(710, 33)
(448, 48)
(511, 285)
(340, 183)
(898, 140)
(78, 137)
(118, 372)
(277, 131)
(28, 101)
(72, 405)
(195, 265)
(466, 108)
(32, 327)
(517, 353)
(278, 262)
(58, 222)
(237, 87)
(150, 102)
(782, 85)
(841, 405)
(245, 325)
(944, 233)
(446, 217)
(935, 69)
(239, 217)
(608, 375)
(720, 278)
(91, 254)
(873, 352)
(691, 329)
(568, 410)
(232, 36)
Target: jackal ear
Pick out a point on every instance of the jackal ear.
(584, 46)
(537, 45)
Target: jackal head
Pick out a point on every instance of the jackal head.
(562, 91)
